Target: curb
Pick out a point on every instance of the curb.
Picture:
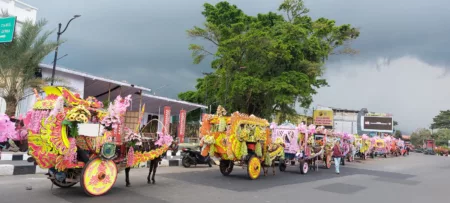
(13, 156)
(25, 169)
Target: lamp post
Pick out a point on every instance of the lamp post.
(57, 41)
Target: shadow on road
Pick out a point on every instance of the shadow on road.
(239, 182)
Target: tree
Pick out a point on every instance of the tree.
(265, 63)
(19, 62)
(398, 134)
(442, 137)
(395, 123)
(419, 135)
(442, 120)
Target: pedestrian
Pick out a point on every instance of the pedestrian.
(337, 155)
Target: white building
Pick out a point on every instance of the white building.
(21, 10)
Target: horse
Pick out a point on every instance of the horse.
(148, 146)
(273, 152)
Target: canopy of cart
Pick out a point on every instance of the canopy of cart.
(105, 89)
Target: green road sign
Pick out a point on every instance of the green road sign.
(7, 26)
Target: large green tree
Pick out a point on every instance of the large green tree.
(418, 136)
(19, 62)
(266, 63)
(442, 120)
(442, 137)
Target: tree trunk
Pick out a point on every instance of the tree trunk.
(11, 105)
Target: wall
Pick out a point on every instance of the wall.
(75, 82)
(345, 122)
(22, 10)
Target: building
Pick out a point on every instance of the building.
(105, 89)
(345, 120)
(21, 10)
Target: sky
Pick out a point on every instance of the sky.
(402, 67)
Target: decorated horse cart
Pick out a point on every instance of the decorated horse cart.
(379, 147)
(80, 142)
(238, 138)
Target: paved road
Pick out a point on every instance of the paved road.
(416, 178)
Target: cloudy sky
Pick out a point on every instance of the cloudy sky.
(402, 68)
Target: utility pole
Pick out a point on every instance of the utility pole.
(57, 46)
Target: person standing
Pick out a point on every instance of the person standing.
(337, 155)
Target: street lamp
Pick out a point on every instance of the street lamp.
(57, 46)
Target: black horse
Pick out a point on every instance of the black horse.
(147, 146)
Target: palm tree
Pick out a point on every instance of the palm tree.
(19, 61)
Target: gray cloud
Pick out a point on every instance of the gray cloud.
(144, 42)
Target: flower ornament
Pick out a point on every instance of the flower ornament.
(273, 125)
(164, 139)
(312, 129)
(302, 128)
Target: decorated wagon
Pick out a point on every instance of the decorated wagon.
(379, 147)
(366, 147)
(298, 146)
(79, 141)
(238, 138)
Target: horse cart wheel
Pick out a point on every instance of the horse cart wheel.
(98, 177)
(226, 167)
(282, 165)
(253, 167)
(304, 167)
(63, 184)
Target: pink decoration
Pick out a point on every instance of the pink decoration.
(59, 107)
(130, 157)
(365, 137)
(7, 128)
(311, 129)
(71, 155)
(164, 139)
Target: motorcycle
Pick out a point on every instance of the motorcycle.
(192, 157)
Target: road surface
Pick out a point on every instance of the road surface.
(417, 178)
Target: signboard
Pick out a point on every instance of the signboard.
(7, 26)
(377, 124)
(379, 114)
(182, 126)
(166, 122)
(323, 117)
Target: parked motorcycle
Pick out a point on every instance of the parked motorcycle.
(192, 157)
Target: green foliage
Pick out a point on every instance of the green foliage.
(442, 120)
(19, 62)
(418, 136)
(73, 127)
(264, 63)
(395, 123)
(398, 134)
(442, 137)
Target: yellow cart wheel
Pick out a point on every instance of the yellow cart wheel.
(254, 167)
(98, 177)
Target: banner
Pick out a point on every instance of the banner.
(377, 124)
(323, 118)
(182, 126)
(166, 122)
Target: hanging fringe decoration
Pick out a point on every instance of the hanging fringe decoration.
(267, 160)
(258, 149)
(212, 150)
(244, 151)
(222, 125)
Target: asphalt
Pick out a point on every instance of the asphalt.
(417, 178)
